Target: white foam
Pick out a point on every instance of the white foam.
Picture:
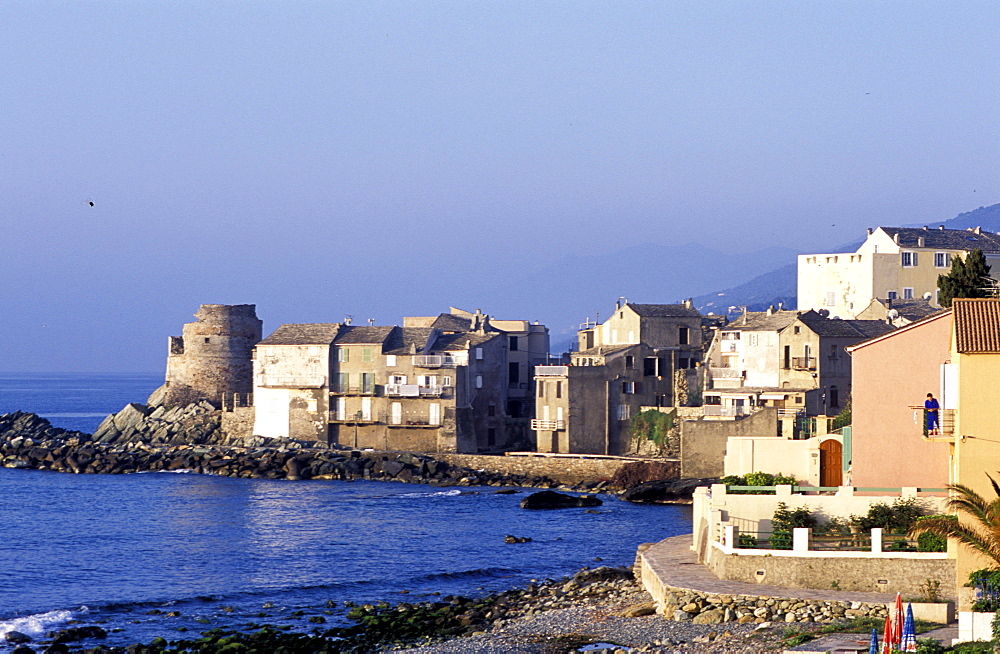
(445, 493)
(34, 625)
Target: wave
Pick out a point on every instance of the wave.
(34, 625)
(445, 493)
(467, 574)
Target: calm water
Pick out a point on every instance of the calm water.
(125, 550)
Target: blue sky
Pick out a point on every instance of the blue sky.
(383, 159)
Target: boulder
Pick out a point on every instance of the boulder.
(17, 637)
(665, 491)
(552, 500)
(603, 573)
(712, 616)
(639, 610)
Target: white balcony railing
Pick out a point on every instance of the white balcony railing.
(440, 360)
(402, 390)
(726, 411)
(291, 381)
(726, 373)
(551, 371)
(547, 425)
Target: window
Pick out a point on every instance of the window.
(559, 413)
(491, 410)
(683, 363)
(368, 382)
(479, 381)
(446, 382)
(513, 374)
(796, 329)
(343, 382)
(396, 413)
(891, 295)
(390, 360)
(491, 436)
(558, 389)
(366, 408)
(479, 354)
(683, 335)
(343, 354)
(831, 299)
(713, 400)
(624, 412)
(942, 260)
(366, 354)
(341, 408)
(513, 343)
(311, 405)
(909, 259)
(629, 362)
(649, 367)
(207, 339)
(434, 417)
(397, 379)
(907, 293)
(628, 388)
(752, 340)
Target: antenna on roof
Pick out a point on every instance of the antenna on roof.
(371, 322)
(348, 320)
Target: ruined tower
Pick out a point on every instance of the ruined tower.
(212, 359)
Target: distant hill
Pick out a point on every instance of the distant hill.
(779, 285)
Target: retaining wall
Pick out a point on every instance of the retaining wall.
(564, 469)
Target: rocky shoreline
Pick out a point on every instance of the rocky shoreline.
(603, 605)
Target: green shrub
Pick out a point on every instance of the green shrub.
(895, 519)
(928, 542)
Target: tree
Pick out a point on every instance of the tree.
(967, 278)
(980, 533)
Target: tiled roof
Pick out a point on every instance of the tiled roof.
(447, 322)
(760, 321)
(363, 335)
(307, 334)
(860, 329)
(911, 309)
(977, 325)
(664, 310)
(407, 340)
(461, 341)
(945, 239)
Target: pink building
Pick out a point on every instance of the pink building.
(891, 375)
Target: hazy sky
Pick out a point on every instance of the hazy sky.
(383, 159)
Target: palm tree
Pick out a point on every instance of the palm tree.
(981, 533)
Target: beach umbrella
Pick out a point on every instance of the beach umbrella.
(873, 648)
(908, 643)
(897, 622)
(887, 635)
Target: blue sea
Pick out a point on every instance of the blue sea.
(124, 551)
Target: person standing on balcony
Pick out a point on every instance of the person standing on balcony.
(931, 407)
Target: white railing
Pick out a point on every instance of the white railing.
(291, 381)
(440, 360)
(432, 390)
(547, 425)
(726, 373)
(402, 390)
(726, 411)
(551, 371)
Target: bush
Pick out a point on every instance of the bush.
(784, 521)
(758, 479)
(895, 519)
(928, 542)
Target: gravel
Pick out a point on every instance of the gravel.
(598, 619)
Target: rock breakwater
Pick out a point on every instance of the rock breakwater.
(31, 442)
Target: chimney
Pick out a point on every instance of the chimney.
(870, 230)
(925, 228)
(770, 310)
(895, 238)
(920, 241)
(941, 227)
(689, 303)
(978, 230)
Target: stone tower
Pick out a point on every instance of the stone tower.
(212, 359)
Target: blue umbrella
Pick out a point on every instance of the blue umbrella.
(909, 641)
(873, 649)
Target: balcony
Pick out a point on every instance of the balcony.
(354, 390)
(413, 423)
(358, 418)
(415, 390)
(440, 360)
(726, 373)
(290, 381)
(804, 363)
(946, 424)
(547, 425)
(551, 371)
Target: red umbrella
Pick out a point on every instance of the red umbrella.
(887, 636)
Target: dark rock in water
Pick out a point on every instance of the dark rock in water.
(666, 490)
(553, 500)
(17, 637)
(505, 491)
(516, 539)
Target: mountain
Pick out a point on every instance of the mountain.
(779, 285)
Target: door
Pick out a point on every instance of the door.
(831, 463)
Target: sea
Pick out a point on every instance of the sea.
(175, 554)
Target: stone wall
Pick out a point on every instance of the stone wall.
(237, 424)
(703, 442)
(564, 469)
(903, 575)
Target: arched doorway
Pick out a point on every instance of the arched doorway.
(831, 463)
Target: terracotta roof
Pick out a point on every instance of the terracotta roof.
(945, 239)
(913, 325)
(363, 335)
(303, 334)
(664, 310)
(977, 325)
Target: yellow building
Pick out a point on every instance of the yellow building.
(894, 263)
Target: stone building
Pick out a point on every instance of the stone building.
(212, 359)
(431, 389)
(643, 355)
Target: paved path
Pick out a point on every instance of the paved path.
(673, 561)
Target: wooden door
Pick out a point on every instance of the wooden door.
(830, 463)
